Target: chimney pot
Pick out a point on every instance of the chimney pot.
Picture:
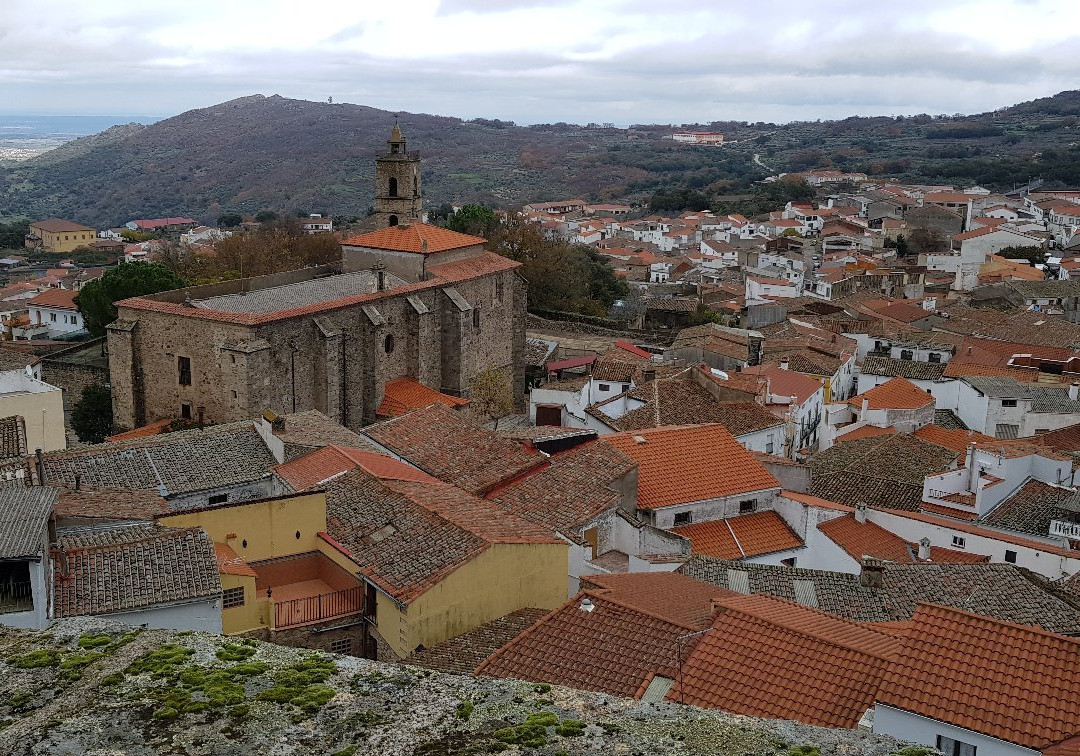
(784, 364)
(1074, 391)
(924, 549)
(860, 512)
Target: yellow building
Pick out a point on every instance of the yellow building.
(32, 412)
(379, 565)
(56, 235)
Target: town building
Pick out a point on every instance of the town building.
(56, 235)
(397, 183)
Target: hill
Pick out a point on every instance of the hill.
(291, 155)
(88, 686)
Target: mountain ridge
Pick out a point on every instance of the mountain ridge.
(270, 152)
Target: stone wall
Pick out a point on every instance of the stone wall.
(75, 368)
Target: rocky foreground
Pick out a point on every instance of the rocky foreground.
(87, 687)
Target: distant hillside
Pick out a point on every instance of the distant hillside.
(291, 155)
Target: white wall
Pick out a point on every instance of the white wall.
(713, 509)
(67, 321)
(197, 615)
(768, 440)
(904, 725)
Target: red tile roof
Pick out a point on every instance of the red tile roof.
(1017, 683)
(955, 439)
(767, 657)
(870, 539)
(814, 501)
(682, 464)
(636, 351)
(230, 563)
(738, 537)
(151, 429)
(865, 431)
(630, 632)
(402, 395)
(896, 393)
(331, 461)
(414, 237)
(786, 382)
(58, 299)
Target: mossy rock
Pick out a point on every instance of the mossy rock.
(804, 750)
(95, 641)
(19, 700)
(42, 657)
(235, 652)
(162, 661)
(464, 710)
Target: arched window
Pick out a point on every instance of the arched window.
(393, 220)
(393, 186)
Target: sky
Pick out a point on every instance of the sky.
(534, 61)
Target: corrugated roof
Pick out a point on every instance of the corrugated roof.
(24, 513)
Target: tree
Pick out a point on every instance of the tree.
(96, 300)
(490, 395)
(229, 220)
(13, 234)
(91, 417)
(926, 241)
(1033, 254)
(476, 220)
(265, 216)
(902, 249)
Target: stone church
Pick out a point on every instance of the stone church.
(408, 300)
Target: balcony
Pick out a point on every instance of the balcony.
(306, 589)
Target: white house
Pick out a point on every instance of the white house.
(316, 224)
(1006, 408)
(53, 313)
(24, 554)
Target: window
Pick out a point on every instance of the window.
(393, 220)
(232, 597)
(234, 393)
(388, 343)
(770, 447)
(1010, 556)
(52, 316)
(959, 542)
(683, 518)
(499, 289)
(933, 357)
(393, 186)
(185, 411)
(951, 747)
(1008, 402)
(748, 506)
(218, 499)
(906, 354)
(476, 317)
(341, 646)
(183, 369)
(604, 387)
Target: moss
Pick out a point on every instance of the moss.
(235, 652)
(300, 684)
(347, 751)
(95, 641)
(543, 719)
(571, 728)
(542, 688)
(127, 638)
(18, 700)
(804, 750)
(239, 711)
(611, 727)
(42, 657)
(114, 679)
(465, 710)
(161, 661)
(914, 751)
(166, 712)
(530, 736)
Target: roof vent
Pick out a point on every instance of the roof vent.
(587, 606)
(639, 439)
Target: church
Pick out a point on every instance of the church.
(409, 304)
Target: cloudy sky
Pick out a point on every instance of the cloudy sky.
(626, 61)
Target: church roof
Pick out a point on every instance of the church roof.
(396, 135)
(414, 237)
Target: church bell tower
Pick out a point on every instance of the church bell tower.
(397, 183)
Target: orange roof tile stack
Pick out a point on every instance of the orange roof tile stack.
(739, 537)
(1016, 683)
(683, 464)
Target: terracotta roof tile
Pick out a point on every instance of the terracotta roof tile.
(865, 431)
(58, 299)
(667, 595)
(454, 448)
(870, 539)
(462, 654)
(682, 464)
(739, 537)
(414, 237)
(321, 465)
(786, 382)
(767, 657)
(1015, 683)
(402, 395)
(231, 563)
(894, 394)
(410, 535)
(956, 440)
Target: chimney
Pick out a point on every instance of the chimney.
(969, 351)
(379, 269)
(1074, 391)
(924, 549)
(872, 573)
(784, 364)
(860, 512)
(39, 463)
(864, 409)
(201, 413)
(973, 473)
(648, 374)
